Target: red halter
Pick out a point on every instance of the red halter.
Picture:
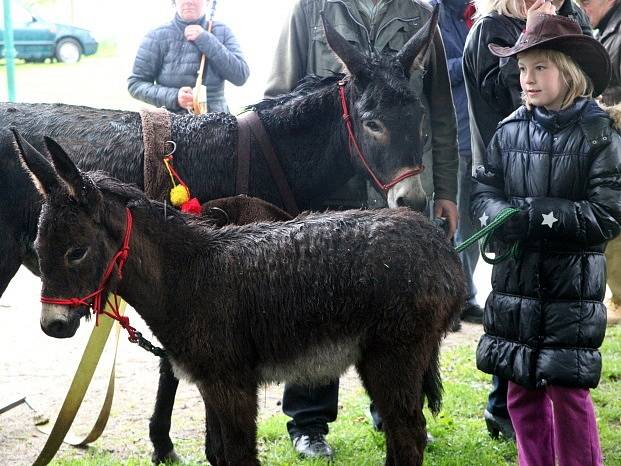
(354, 143)
(94, 299)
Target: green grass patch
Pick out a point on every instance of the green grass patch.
(459, 431)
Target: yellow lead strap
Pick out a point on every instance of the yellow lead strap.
(81, 380)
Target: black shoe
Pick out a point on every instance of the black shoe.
(312, 446)
(497, 425)
(472, 313)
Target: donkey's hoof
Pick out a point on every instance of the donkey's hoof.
(169, 458)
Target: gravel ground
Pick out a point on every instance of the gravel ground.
(41, 368)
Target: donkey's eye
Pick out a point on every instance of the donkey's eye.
(76, 254)
(373, 125)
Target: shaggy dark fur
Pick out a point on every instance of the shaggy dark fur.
(243, 305)
(237, 210)
(305, 127)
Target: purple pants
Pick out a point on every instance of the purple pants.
(554, 425)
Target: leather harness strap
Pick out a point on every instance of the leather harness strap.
(250, 122)
(242, 176)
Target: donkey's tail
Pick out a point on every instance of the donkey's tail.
(432, 382)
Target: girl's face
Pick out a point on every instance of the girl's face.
(191, 10)
(541, 81)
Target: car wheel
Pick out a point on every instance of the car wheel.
(68, 51)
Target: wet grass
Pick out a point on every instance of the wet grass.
(459, 431)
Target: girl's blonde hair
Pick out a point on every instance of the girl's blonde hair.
(577, 82)
(510, 8)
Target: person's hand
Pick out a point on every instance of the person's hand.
(516, 228)
(545, 7)
(185, 98)
(192, 32)
(448, 210)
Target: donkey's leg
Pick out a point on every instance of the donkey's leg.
(159, 426)
(393, 378)
(214, 447)
(235, 407)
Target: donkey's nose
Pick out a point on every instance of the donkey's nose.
(60, 328)
(416, 203)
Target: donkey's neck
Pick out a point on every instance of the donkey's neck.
(152, 280)
(310, 137)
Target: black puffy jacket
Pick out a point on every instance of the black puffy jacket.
(166, 61)
(544, 319)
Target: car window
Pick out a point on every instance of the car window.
(21, 16)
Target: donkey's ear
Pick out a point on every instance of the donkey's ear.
(41, 170)
(80, 186)
(350, 55)
(415, 49)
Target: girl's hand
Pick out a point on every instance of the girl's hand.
(516, 227)
(539, 7)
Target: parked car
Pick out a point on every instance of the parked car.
(36, 39)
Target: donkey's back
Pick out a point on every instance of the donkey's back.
(331, 287)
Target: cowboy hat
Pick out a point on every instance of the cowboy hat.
(564, 35)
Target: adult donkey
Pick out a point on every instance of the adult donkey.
(306, 129)
(237, 307)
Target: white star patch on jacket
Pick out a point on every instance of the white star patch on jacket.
(549, 219)
(483, 219)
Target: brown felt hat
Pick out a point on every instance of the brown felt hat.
(564, 35)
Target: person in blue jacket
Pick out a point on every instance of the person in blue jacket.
(169, 57)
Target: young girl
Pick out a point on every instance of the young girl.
(558, 159)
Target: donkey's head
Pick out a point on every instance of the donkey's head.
(73, 246)
(387, 113)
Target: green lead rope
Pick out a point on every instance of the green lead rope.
(486, 234)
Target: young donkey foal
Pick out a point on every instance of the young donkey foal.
(243, 305)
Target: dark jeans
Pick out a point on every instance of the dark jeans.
(310, 408)
(497, 399)
(465, 229)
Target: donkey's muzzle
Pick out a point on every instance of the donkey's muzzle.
(59, 321)
(408, 193)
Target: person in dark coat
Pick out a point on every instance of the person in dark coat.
(557, 159)
(493, 89)
(168, 59)
(455, 20)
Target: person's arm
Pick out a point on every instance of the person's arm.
(225, 57)
(437, 88)
(291, 55)
(141, 83)
(591, 221)
(487, 198)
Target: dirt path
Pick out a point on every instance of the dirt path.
(41, 368)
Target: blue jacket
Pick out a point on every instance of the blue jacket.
(166, 61)
(454, 31)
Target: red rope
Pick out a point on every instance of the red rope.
(353, 142)
(94, 299)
